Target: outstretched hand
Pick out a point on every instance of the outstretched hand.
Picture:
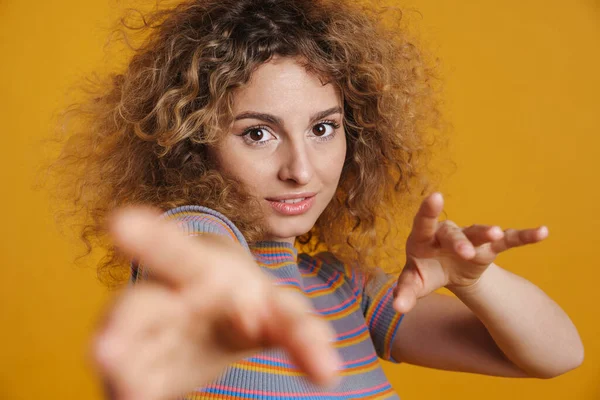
(442, 254)
(208, 305)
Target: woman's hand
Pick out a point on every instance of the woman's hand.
(208, 305)
(442, 254)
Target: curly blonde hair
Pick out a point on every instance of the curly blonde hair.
(143, 137)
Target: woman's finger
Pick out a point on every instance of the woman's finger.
(242, 309)
(480, 234)
(124, 349)
(306, 337)
(514, 238)
(163, 248)
(452, 238)
(425, 221)
(141, 234)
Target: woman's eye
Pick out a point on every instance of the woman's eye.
(324, 129)
(256, 135)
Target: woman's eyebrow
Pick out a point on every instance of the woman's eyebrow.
(272, 119)
(325, 113)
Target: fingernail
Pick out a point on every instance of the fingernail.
(399, 305)
(496, 232)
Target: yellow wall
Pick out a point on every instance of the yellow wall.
(522, 81)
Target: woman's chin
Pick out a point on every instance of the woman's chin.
(288, 232)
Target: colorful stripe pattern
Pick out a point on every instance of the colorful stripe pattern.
(361, 314)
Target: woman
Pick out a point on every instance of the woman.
(259, 124)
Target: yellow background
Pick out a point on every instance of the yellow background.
(522, 89)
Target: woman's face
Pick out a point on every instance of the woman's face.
(287, 143)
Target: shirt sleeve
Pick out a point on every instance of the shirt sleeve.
(381, 318)
(193, 221)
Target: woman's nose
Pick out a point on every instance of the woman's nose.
(296, 164)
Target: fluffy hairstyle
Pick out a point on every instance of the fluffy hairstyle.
(143, 136)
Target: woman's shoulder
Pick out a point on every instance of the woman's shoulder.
(194, 220)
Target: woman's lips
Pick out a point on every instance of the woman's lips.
(295, 206)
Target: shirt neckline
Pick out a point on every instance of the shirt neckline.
(275, 252)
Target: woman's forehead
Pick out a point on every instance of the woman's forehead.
(282, 83)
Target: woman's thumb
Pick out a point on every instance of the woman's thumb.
(408, 289)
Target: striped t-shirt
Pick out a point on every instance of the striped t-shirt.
(362, 316)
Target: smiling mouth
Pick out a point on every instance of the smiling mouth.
(292, 204)
(292, 197)
(291, 201)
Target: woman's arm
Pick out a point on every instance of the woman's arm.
(501, 325)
